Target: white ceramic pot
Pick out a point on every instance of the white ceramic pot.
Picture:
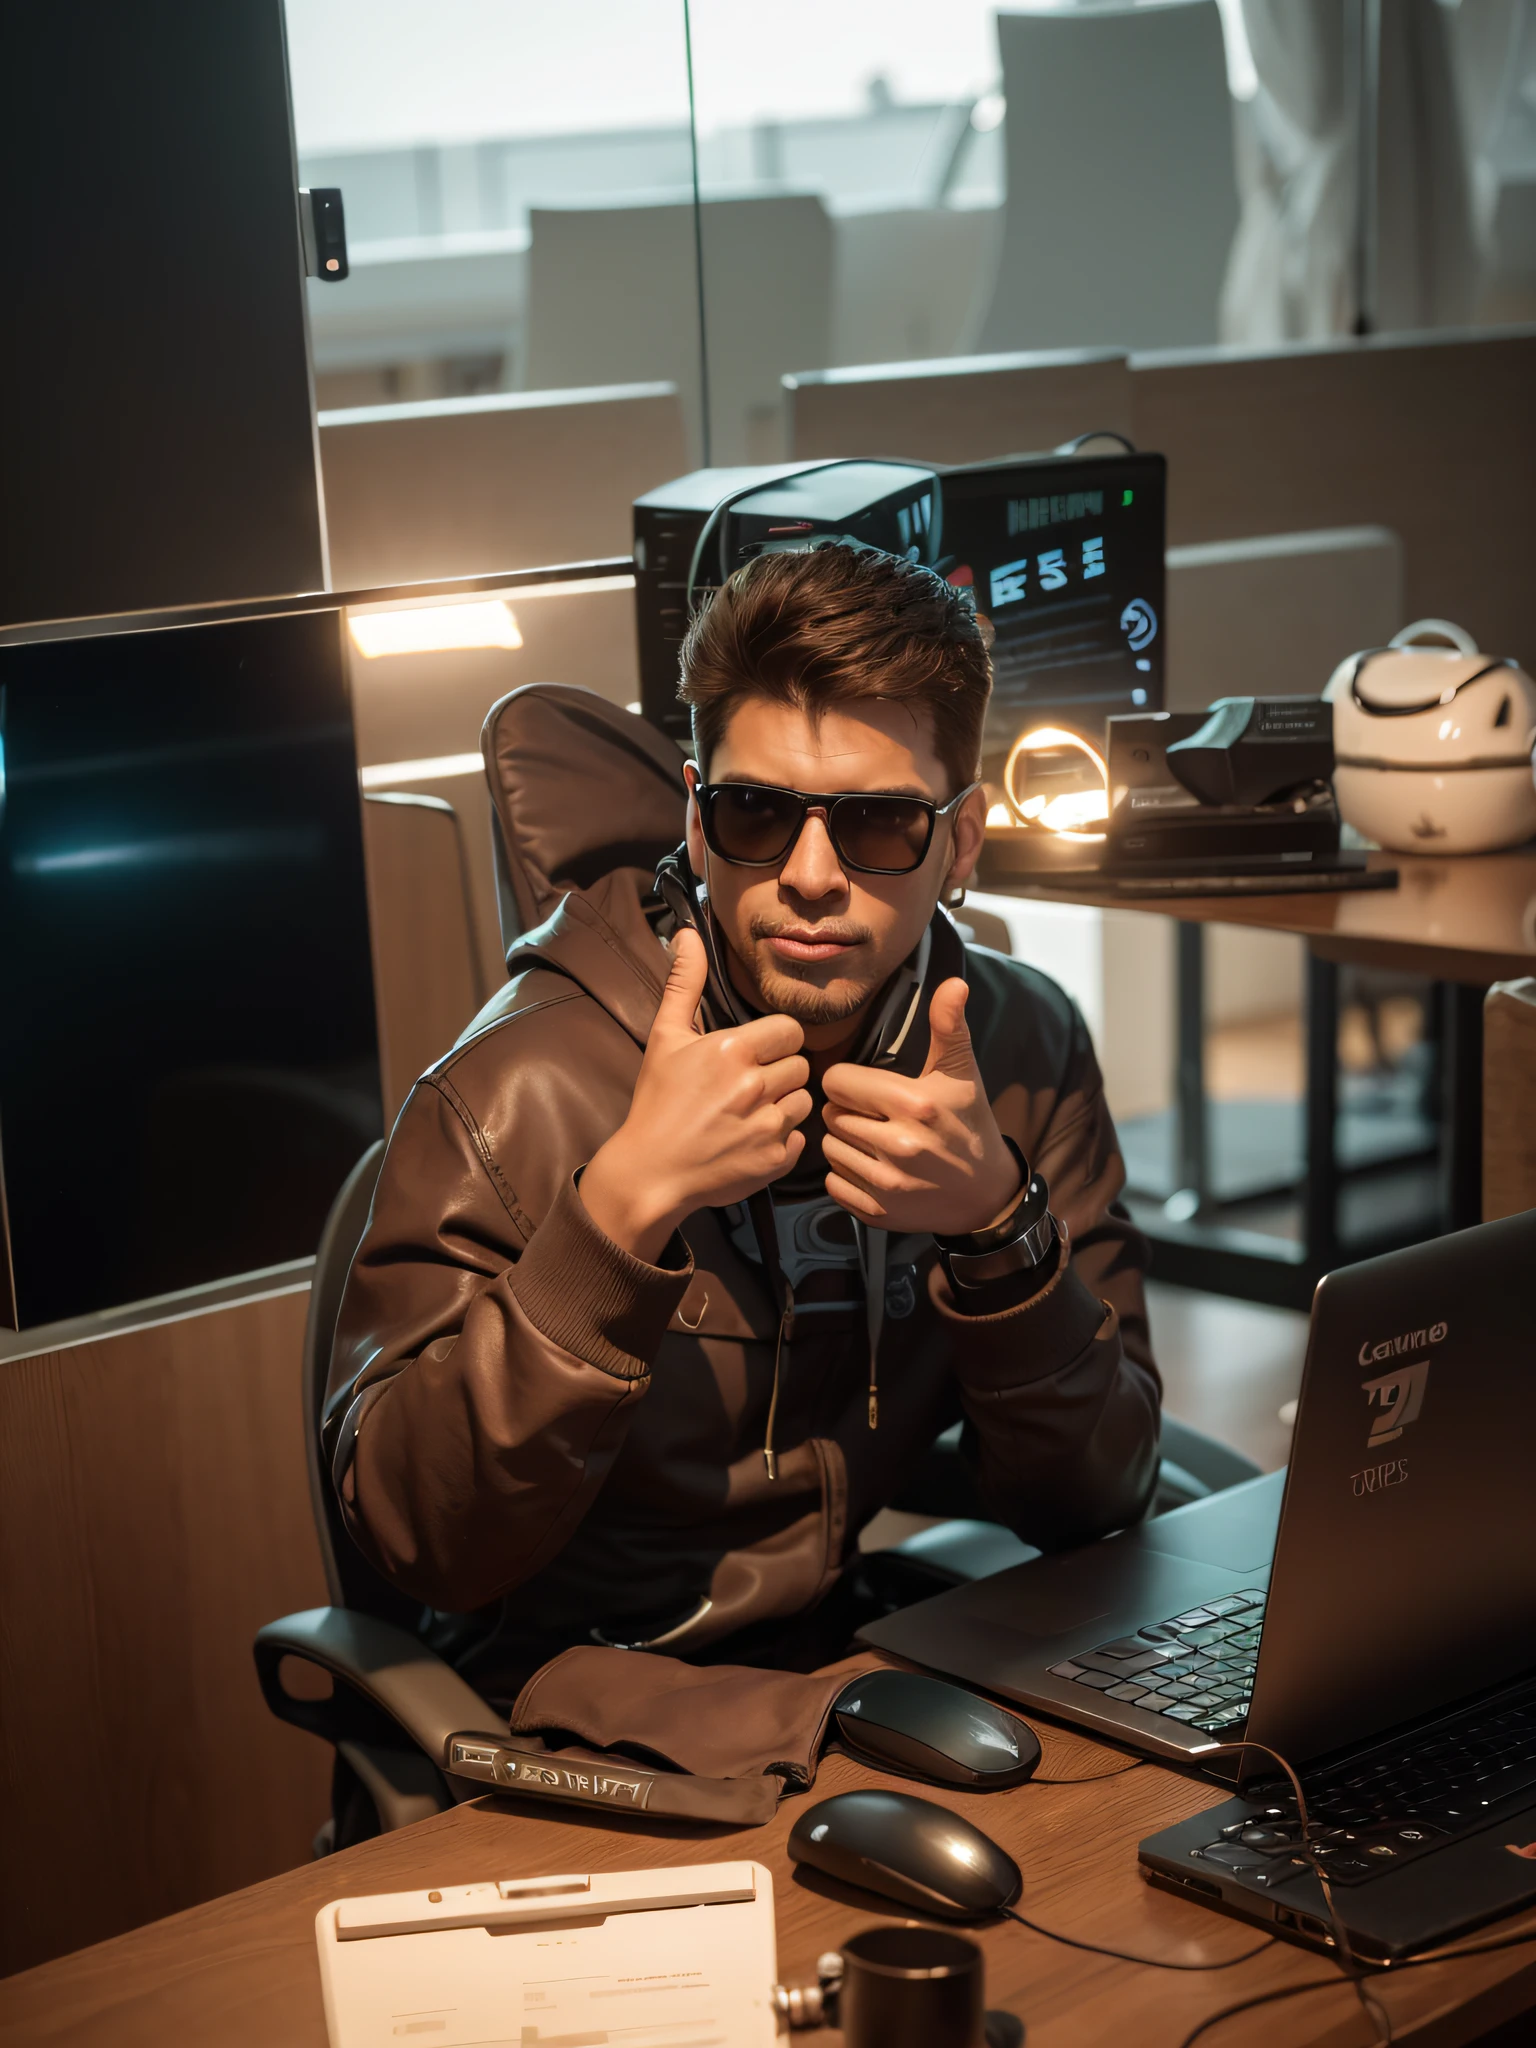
(1432, 744)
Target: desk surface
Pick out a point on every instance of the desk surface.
(242, 1970)
(1469, 919)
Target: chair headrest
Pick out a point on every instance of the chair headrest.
(580, 787)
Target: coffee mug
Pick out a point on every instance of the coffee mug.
(911, 1987)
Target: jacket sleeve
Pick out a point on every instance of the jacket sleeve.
(1061, 1394)
(485, 1366)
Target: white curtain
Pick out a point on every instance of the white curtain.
(1294, 271)
(1291, 272)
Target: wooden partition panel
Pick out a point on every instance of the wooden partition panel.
(1426, 434)
(1509, 1099)
(414, 707)
(421, 907)
(457, 780)
(154, 1512)
(1422, 434)
(959, 409)
(467, 486)
(1272, 616)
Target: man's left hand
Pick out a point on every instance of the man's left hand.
(924, 1154)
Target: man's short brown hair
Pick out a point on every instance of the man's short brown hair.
(830, 627)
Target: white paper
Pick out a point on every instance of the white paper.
(698, 1976)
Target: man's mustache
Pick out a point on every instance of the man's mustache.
(817, 931)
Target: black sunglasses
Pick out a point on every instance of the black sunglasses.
(755, 824)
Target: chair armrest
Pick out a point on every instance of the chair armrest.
(1215, 1465)
(380, 1668)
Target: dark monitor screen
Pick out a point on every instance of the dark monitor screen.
(1066, 560)
(188, 1054)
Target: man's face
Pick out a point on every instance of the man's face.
(811, 938)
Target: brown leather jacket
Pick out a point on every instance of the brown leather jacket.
(520, 1412)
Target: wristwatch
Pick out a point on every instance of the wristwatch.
(1023, 1240)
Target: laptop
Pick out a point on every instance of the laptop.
(1370, 1614)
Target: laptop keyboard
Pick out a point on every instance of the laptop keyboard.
(1196, 1668)
(1373, 1813)
(1367, 1816)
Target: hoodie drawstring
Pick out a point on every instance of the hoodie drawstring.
(766, 1230)
(874, 1245)
(873, 1248)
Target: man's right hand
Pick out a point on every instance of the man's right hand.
(714, 1116)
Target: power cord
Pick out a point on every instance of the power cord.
(1354, 1971)
(1448, 1955)
(1121, 1955)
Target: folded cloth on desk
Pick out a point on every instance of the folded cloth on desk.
(587, 1777)
(728, 1722)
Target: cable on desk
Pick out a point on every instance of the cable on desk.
(1449, 1955)
(1354, 1971)
(1228, 2012)
(1121, 1955)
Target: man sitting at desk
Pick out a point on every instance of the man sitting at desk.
(592, 1381)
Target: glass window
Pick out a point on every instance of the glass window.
(887, 180)
(449, 129)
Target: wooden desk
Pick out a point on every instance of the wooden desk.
(241, 1972)
(1467, 922)
(1470, 920)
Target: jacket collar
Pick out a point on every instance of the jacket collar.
(601, 939)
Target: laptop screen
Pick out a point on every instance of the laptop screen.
(1405, 1570)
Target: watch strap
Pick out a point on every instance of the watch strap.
(1028, 1250)
(1019, 1242)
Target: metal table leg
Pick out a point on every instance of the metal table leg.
(1321, 1194)
(1191, 1130)
(1461, 1084)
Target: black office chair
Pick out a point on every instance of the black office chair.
(396, 1699)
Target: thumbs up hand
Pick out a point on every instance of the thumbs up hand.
(924, 1154)
(714, 1117)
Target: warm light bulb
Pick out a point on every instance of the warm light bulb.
(434, 628)
(1074, 810)
(1070, 813)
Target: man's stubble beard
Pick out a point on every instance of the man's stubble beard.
(777, 989)
(783, 992)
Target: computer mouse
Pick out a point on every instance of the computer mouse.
(927, 1729)
(908, 1849)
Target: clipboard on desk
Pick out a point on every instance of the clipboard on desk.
(678, 1958)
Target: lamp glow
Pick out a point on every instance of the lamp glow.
(1071, 814)
(434, 628)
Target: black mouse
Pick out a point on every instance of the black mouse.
(909, 1850)
(927, 1729)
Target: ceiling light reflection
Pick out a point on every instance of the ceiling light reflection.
(434, 628)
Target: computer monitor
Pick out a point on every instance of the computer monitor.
(1066, 560)
(188, 1053)
(1062, 554)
